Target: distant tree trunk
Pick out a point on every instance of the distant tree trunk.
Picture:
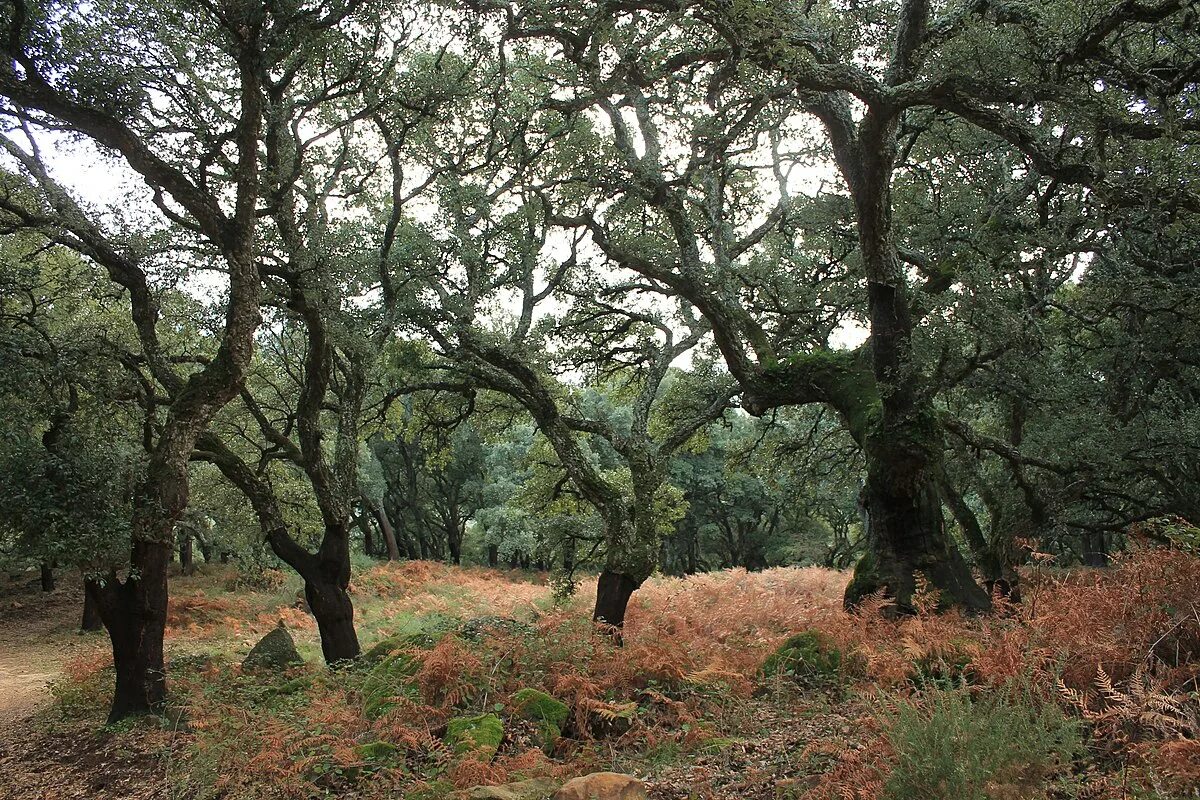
(389, 535)
(568, 556)
(225, 556)
(47, 577)
(613, 590)
(514, 561)
(493, 555)
(186, 563)
(1095, 549)
(368, 538)
(91, 614)
(206, 550)
(999, 576)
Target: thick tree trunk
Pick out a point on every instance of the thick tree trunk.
(493, 555)
(47, 577)
(613, 590)
(91, 613)
(907, 535)
(455, 545)
(331, 606)
(135, 614)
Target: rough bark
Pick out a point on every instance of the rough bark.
(46, 576)
(187, 564)
(90, 620)
(613, 590)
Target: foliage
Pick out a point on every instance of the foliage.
(947, 745)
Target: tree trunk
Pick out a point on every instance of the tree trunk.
(907, 535)
(455, 545)
(47, 577)
(91, 613)
(493, 555)
(389, 535)
(331, 606)
(999, 577)
(135, 614)
(1095, 549)
(613, 590)
(187, 564)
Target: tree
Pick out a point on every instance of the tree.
(688, 108)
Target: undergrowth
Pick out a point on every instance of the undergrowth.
(1087, 689)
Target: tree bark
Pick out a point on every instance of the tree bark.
(47, 577)
(135, 614)
(91, 613)
(187, 564)
(493, 555)
(389, 534)
(613, 590)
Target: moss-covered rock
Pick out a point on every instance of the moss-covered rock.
(390, 678)
(807, 659)
(421, 640)
(532, 789)
(478, 737)
(474, 630)
(379, 752)
(549, 714)
(275, 651)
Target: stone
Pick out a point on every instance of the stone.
(390, 678)
(478, 737)
(474, 630)
(532, 789)
(603, 786)
(275, 651)
(806, 658)
(548, 714)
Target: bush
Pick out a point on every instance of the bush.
(807, 658)
(950, 747)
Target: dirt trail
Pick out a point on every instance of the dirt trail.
(36, 636)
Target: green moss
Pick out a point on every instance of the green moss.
(865, 581)
(390, 678)
(275, 651)
(539, 707)
(477, 736)
(806, 658)
(378, 752)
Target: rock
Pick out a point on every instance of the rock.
(478, 737)
(378, 752)
(390, 678)
(806, 658)
(476, 629)
(276, 650)
(532, 789)
(603, 786)
(416, 640)
(548, 714)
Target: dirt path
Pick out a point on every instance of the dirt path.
(36, 637)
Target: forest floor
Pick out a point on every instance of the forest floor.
(685, 704)
(41, 758)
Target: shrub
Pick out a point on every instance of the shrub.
(950, 747)
(807, 658)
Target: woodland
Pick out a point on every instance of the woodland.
(747, 398)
